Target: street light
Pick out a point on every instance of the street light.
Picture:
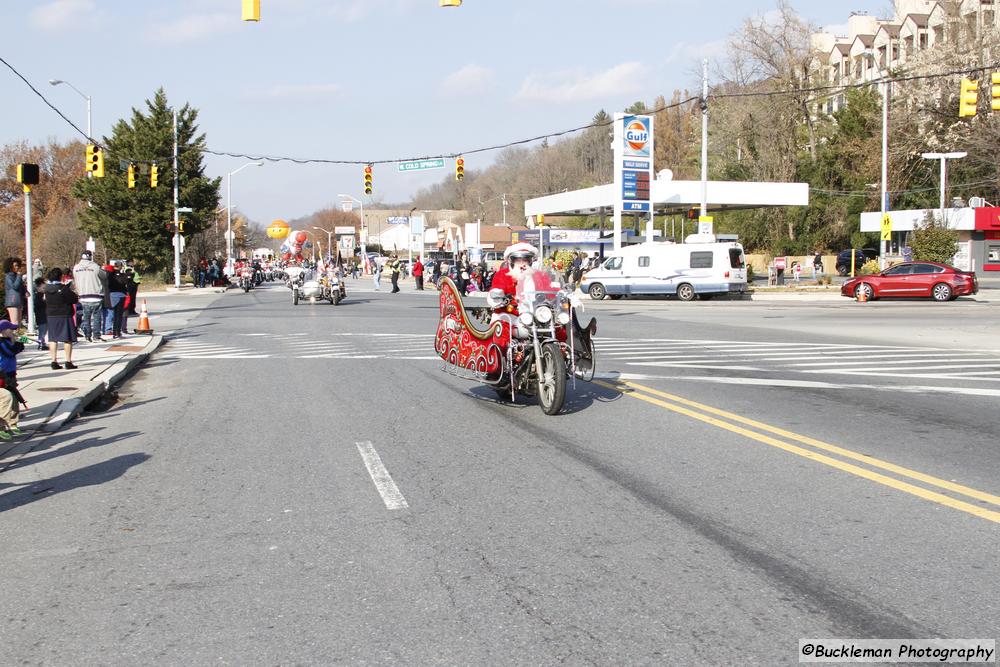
(884, 204)
(229, 212)
(944, 157)
(364, 230)
(90, 134)
(56, 82)
(329, 241)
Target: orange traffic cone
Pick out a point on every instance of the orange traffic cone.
(862, 295)
(144, 327)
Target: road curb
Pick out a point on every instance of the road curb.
(71, 407)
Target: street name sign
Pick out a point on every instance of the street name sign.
(420, 165)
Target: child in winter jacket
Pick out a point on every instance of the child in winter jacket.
(9, 395)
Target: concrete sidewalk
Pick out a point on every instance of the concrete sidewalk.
(54, 397)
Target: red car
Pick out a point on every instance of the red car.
(940, 282)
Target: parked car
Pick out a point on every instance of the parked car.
(940, 282)
(843, 263)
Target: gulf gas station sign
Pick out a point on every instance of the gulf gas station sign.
(633, 152)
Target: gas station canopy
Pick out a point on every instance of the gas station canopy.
(673, 197)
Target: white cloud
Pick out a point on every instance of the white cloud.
(194, 27)
(62, 14)
(298, 92)
(577, 85)
(469, 80)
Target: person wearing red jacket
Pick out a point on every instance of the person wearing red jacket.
(517, 260)
(418, 275)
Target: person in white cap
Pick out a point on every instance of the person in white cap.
(517, 259)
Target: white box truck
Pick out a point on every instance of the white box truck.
(699, 268)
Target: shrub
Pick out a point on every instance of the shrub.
(933, 241)
(868, 268)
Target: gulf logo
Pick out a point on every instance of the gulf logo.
(636, 137)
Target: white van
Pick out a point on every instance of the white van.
(686, 270)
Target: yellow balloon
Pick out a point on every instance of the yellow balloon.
(278, 230)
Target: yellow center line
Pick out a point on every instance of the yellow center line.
(833, 449)
(920, 492)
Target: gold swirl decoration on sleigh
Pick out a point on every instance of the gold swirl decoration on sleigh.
(469, 349)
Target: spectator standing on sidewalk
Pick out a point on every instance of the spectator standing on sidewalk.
(394, 269)
(89, 280)
(59, 300)
(817, 265)
(10, 397)
(38, 305)
(377, 272)
(418, 275)
(14, 289)
(116, 301)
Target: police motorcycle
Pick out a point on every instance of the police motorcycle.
(313, 288)
(533, 345)
(246, 278)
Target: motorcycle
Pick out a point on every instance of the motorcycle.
(532, 346)
(246, 280)
(327, 289)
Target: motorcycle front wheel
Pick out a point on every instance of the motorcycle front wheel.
(552, 384)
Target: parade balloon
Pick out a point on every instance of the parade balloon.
(278, 230)
(300, 237)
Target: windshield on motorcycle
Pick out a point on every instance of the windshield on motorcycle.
(537, 283)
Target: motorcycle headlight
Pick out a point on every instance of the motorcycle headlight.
(525, 319)
(563, 318)
(543, 314)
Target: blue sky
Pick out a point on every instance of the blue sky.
(360, 80)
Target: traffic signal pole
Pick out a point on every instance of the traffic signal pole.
(177, 238)
(28, 260)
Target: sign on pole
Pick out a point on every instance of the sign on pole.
(420, 165)
(633, 168)
(886, 228)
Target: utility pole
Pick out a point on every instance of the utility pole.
(704, 138)
(504, 200)
(177, 233)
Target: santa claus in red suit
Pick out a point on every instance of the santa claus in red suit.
(517, 260)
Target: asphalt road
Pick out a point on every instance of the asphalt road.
(305, 485)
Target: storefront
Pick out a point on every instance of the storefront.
(978, 234)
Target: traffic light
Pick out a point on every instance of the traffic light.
(692, 214)
(459, 168)
(368, 179)
(180, 226)
(95, 161)
(154, 176)
(251, 10)
(171, 227)
(995, 91)
(27, 174)
(968, 98)
(131, 175)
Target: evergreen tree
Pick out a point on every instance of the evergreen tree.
(133, 223)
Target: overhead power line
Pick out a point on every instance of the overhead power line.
(518, 142)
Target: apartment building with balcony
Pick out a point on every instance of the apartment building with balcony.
(919, 28)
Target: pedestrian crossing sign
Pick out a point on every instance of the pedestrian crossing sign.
(886, 228)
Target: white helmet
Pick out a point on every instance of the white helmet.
(520, 251)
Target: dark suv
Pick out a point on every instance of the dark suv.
(843, 264)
